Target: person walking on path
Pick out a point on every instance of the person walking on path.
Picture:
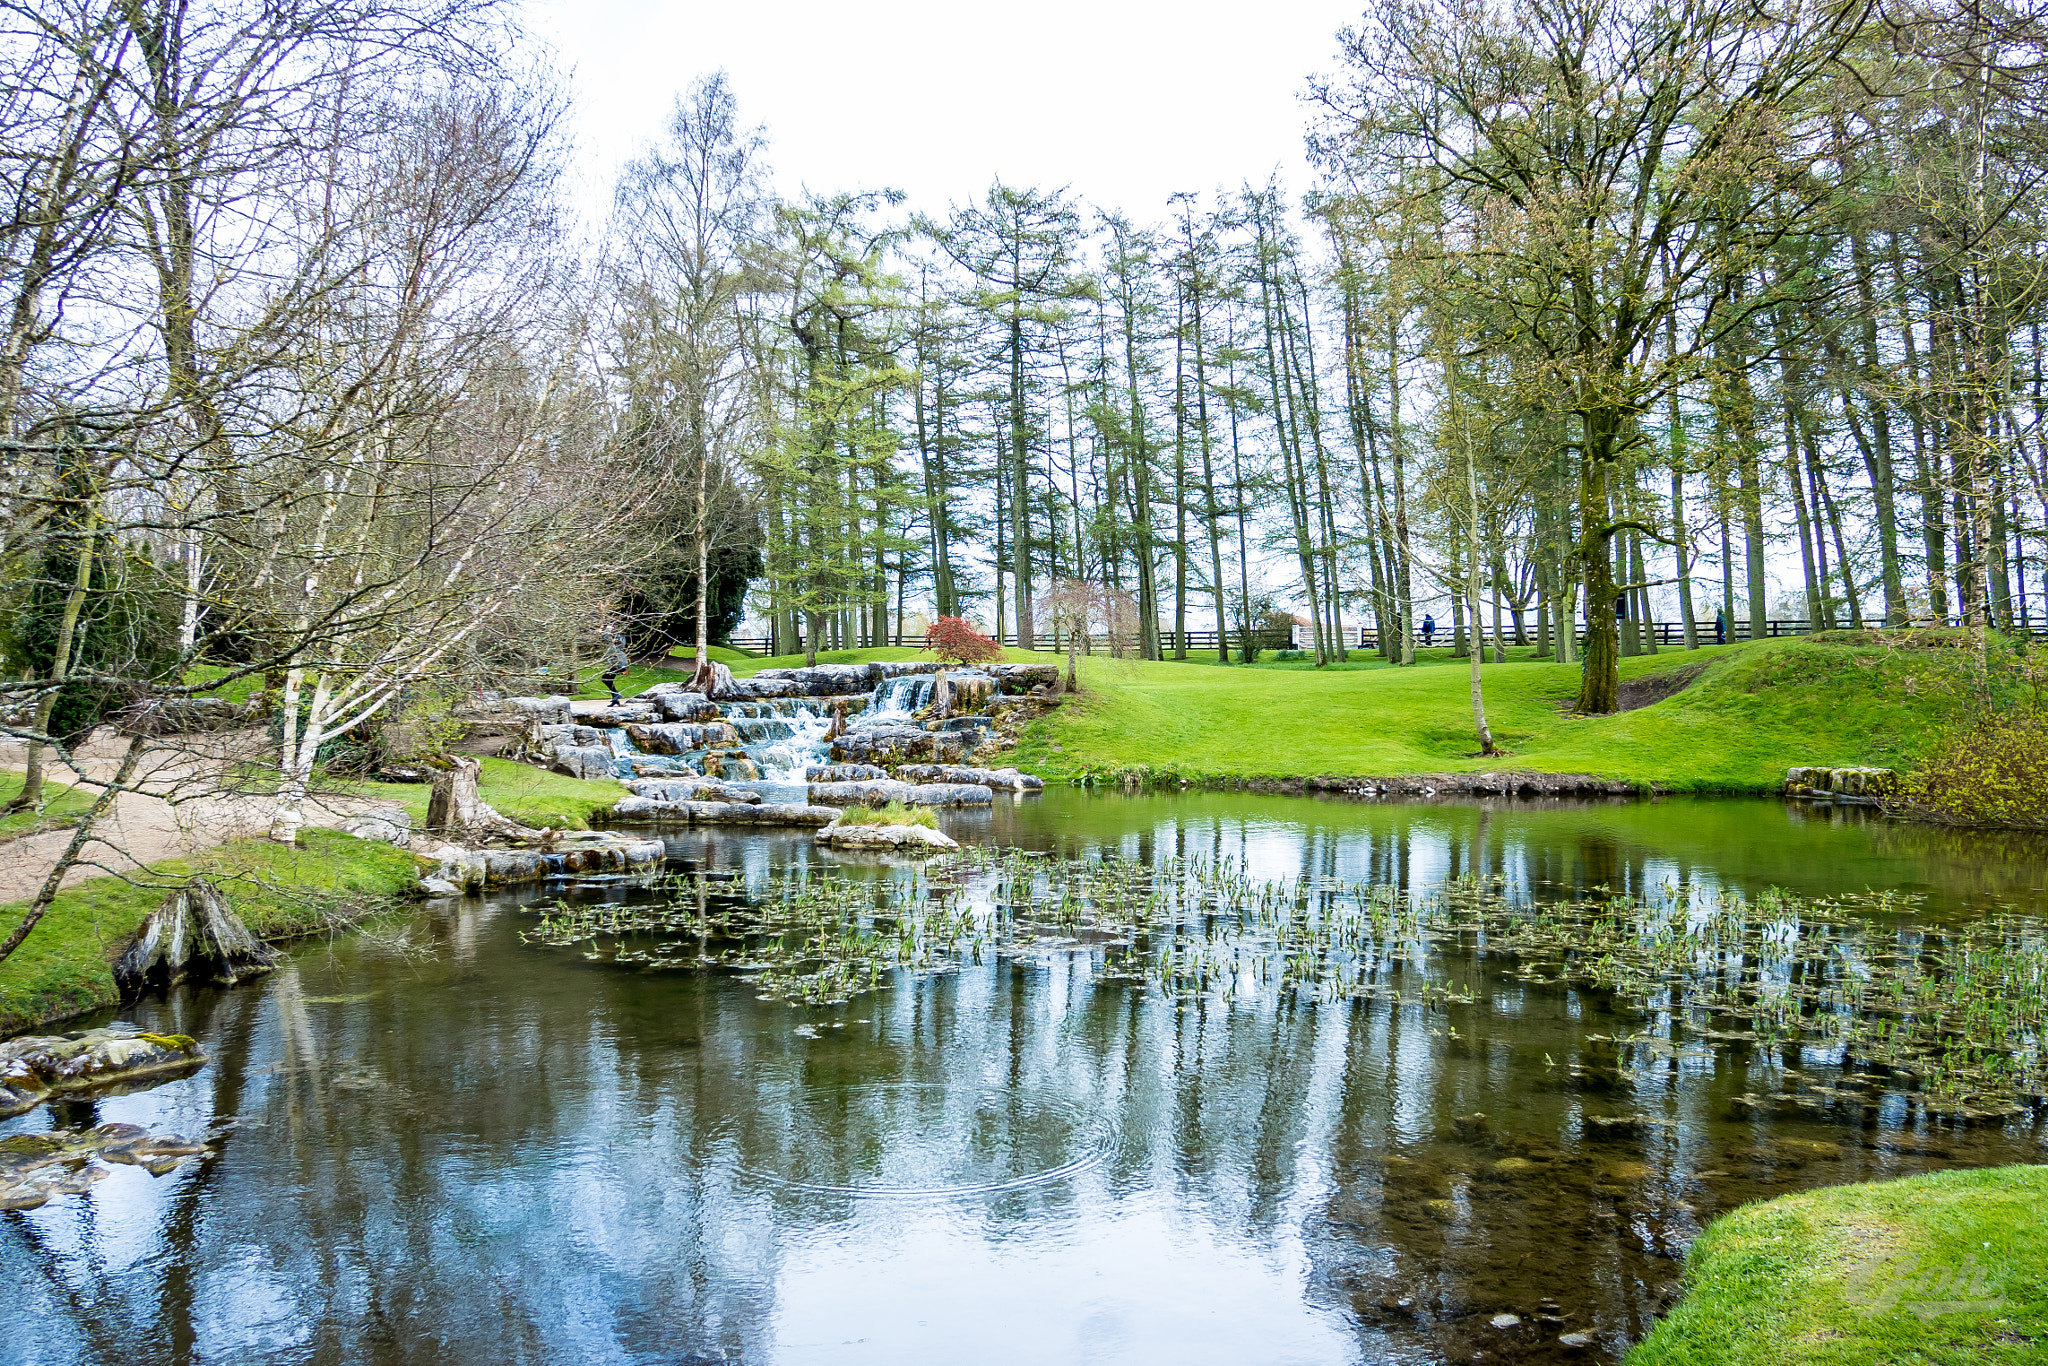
(1720, 627)
(1428, 629)
(616, 660)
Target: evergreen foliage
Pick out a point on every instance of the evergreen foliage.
(126, 634)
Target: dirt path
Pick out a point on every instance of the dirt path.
(190, 801)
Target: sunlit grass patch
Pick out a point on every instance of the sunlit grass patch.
(1950, 1267)
(61, 809)
(895, 813)
(63, 967)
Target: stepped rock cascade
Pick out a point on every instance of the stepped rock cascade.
(778, 726)
(763, 750)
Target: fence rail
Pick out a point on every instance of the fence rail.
(1367, 638)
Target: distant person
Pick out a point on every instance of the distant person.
(1428, 629)
(1720, 627)
(616, 660)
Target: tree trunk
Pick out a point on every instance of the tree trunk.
(31, 795)
(1600, 677)
(1485, 732)
(1020, 492)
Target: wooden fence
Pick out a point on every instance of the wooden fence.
(1367, 638)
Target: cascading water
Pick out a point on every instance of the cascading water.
(896, 700)
(785, 736)
(790, 742)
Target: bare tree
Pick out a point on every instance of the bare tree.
(688, 213)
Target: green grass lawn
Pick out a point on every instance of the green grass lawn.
(745, 666)
(532, 796)
(1757, 710)
(63, 806)
(63, 967)
(1943, 1270)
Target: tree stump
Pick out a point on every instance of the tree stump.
(712, 679)
(194, 933)
(456, 807)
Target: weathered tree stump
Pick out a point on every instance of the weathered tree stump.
(194, 934)
(456, 806)
(712, 679)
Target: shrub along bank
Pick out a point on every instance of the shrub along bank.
(1946, 1268)
(65, 966)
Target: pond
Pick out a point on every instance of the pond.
(452, 1142)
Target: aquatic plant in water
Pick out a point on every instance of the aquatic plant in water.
(1954, 1015)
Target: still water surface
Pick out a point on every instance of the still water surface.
(466, 1148)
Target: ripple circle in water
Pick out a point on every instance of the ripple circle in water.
(923, 1139)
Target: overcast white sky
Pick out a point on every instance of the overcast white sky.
(1124, 100)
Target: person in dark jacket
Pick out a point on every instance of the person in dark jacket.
(616, 660)
(1720, 627)
(1428, 629)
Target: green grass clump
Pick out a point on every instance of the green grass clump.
(725, 654)
(633, 681)
(895, 813)
(61, 810)
(532, 796)
(64, 966)
(1950, 1267)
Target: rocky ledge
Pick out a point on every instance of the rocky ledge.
(1848, 786)
(1008, 779)
(691, 790)
(887, 746)
(1501, 784)
(909, 838)
(460, 868)
(647, 810)
(36, 1167)
(35, 1067)
(881, 791)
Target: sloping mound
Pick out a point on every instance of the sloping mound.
(1650, 689)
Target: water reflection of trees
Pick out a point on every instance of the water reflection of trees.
(508, 1155)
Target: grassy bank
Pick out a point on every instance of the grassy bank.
(1752, 711)
(64, 965)
(61, 811)
(532, 796)
(1946, 1268)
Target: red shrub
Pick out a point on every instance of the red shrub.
(954, 640)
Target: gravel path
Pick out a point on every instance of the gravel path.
(189, 802)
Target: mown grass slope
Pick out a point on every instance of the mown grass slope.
(62, 808)
(1950, 1267)
(1753, 711)
(64, 966)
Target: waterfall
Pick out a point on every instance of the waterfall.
(784, 736)
(784, 758)
(895, 699)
